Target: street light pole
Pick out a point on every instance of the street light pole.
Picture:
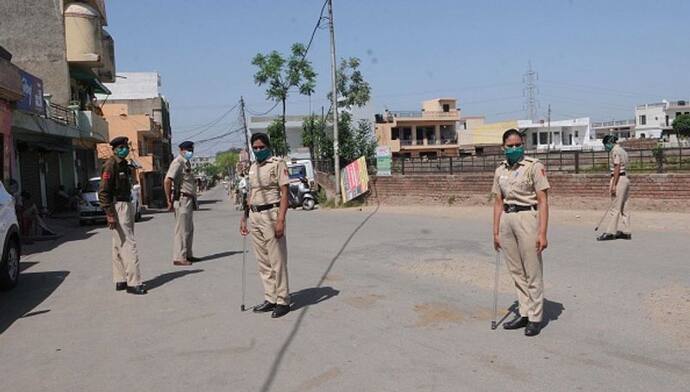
(334, 104)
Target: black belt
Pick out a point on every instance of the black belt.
(264, 207)
(508, 208)
(620, 174)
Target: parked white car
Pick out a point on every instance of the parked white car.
(90, 209)
(9, 232)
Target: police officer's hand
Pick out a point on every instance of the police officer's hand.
(111, 221)
(613, 192)
(243, 228)
(542, 243)
(497, 242)
(280, 229)
(171, 206)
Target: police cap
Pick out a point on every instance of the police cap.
(187, 145)
(119, 141)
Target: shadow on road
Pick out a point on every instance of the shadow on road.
(311, 296)
(219, 255)
(552, 311)
(281, 354)
(210, 201)
(69, 231)
(33, 288)
(162, 279)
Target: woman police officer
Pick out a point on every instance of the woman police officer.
(268, 202)
(520, 221)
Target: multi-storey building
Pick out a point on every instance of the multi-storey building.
(65, 56)
(654, 119)
(571, 134)
(430, 132)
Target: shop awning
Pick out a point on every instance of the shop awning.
(90, 79)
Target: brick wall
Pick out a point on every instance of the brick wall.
(651, 186)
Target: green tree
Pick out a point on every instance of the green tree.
(226, 161)
(280, 74)
(681, 125)
(276, 133)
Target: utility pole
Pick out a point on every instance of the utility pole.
(548, 122)
(334, 103)
(530, 92)
(246, 133)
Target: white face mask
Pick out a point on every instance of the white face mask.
(188, 155)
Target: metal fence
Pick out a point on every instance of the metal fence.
(667, 159)
(62, 115)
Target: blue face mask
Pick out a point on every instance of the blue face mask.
(262, 155)
(514, 154)
(122, 152)
(608, 147)
(188, 155)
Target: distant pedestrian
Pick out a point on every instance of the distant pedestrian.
(115, 197)
(183, 201)
(521, 217)
(268, 202)
(619, 189)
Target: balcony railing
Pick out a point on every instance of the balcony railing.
(616, 123)
(420, 114)
(62, 115)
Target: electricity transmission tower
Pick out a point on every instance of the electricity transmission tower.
(530, 91)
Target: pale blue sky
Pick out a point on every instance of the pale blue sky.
(594, 58)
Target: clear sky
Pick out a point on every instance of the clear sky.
(594, 58)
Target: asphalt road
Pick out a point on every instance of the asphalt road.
(383, 301)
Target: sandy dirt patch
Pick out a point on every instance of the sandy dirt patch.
(669, 308)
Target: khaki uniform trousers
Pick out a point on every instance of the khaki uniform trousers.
(184, 229)
(125, 257)
(271, 255)
(617, 210)
(518, 237)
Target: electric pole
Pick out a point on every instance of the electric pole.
(246, 133)
(530, 92)
(548, 121)
(334, 103)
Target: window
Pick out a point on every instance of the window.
(446, 107)
(577, 134)
(543, 138)
(420, 134)
(679, 114)
(643, 120)
(407, 134)
(666, 120)
(395, 133)
(534, 139)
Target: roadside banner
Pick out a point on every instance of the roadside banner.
(354, 179)
(384, 159)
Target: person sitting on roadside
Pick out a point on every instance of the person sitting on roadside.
(32, 223)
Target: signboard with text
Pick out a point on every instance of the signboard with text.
(32, 89)
(354, 180)
(384, 159)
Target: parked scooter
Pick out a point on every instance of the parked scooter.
(300, 195)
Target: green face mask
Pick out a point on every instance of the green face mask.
(608, 147)
(514, 154)
(262, 155)
(122, 152)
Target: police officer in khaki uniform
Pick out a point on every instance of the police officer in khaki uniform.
(521, 215)
(115, 198)
(268, 204)
(619, 188)
(182, 201)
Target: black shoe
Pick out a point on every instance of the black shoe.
(516, 323)
(264, 307)
(137, 290)
(623, 236)
(532, 328)
(193, 259)
(606, 237)
(280, 311)
(119, 286)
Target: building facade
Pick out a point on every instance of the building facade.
(623, 129)
(654, 120)
(293, 127)
(430, 132)
(137, 109)
(65, 55)
(572, 134)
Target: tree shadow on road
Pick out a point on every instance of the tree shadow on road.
(162, 279)
(311, 296)
(33, 288)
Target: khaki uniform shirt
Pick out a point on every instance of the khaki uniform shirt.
(519, 183)
(618, 157)
(115, 185)
(265, 180)
(180, 172)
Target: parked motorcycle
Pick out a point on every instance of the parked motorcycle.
(300, 195)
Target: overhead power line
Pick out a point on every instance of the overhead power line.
(208, 126)
(220, 136)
